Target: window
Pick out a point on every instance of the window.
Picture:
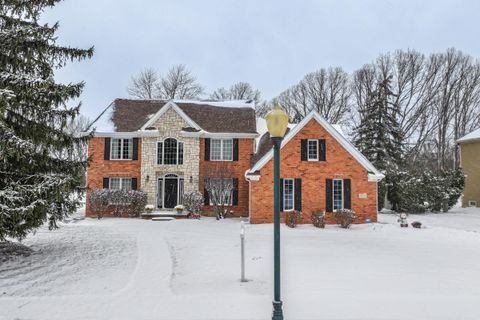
(120, 183)
(288, 198)
(337, 194)
(170, 151)
(121, 149)
(221, 191)
(312, 150)
(221, 149)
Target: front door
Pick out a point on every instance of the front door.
(171, 193)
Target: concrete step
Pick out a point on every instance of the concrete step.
(162, 218)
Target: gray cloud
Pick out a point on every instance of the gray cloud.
(271, 44)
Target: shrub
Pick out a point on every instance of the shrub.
(318, 218)
(434, 191)
(292, 218)
(417, 224)
(122, 202)
(345, 217)
(193, 202)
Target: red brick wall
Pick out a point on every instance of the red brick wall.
(339, 164)
(238, 168)
(100, 168)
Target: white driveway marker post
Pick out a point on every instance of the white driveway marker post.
(242, 245)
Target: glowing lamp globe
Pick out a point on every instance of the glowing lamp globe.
(277, 122)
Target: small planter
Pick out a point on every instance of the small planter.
(179, 209)
(149, 208)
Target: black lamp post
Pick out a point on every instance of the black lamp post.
(277, 122)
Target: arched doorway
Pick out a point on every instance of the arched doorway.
(170, 191)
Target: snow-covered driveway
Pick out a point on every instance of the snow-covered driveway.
(189, 269)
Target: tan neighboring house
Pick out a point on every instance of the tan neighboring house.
(470, 163)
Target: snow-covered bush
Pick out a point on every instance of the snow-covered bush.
(121, 202)
(345, 217)
(193, 201)
(318, 218)
(292, 218)
(429, 190)
(149, 208)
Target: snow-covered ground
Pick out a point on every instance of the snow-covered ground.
(189, 269)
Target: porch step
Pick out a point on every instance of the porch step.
(162, 218)
(164, 214)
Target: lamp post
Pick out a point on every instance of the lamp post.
(277, 122)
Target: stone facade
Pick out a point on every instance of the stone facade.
(339, 164)
(169, 125)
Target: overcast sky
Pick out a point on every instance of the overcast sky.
(270, 44)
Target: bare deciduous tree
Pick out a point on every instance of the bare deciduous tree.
(144, 85)
(238, 91)
(179, 83)
(326, 91)
(220, 185)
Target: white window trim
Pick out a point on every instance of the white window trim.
(333, 195)
(308, 150)
(121, 182)
(163, 152)
(293, 195)
(121, 149)
(222, 158)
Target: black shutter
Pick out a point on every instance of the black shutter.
(329, 197)
(347, 194)
(298, 194)
(106, 153)
(106, 183)
(304, 150)
(235, 149)
(206, 198)
(322, 151)
(207, 149)
(235, 192)
(134, 183)
(135, 149)
(281, 195)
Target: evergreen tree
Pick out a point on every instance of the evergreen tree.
(39, 181)
(379, 137)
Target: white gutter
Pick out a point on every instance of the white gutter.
(206, 134)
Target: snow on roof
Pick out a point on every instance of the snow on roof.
(103, 123)
(221, 103)
(474, 135)
(262, 129)
(340, 130)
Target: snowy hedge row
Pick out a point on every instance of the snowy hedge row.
(427, 191)
(121, 202)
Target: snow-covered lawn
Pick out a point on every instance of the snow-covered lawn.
(189, 269)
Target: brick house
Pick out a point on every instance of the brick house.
(320, 169)
(167, 148)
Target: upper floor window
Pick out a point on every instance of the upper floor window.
(121, 149)
(120, 183)
(313, 150)
(170, 151)
(221, 149)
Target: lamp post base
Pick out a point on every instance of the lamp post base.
(277, 313)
